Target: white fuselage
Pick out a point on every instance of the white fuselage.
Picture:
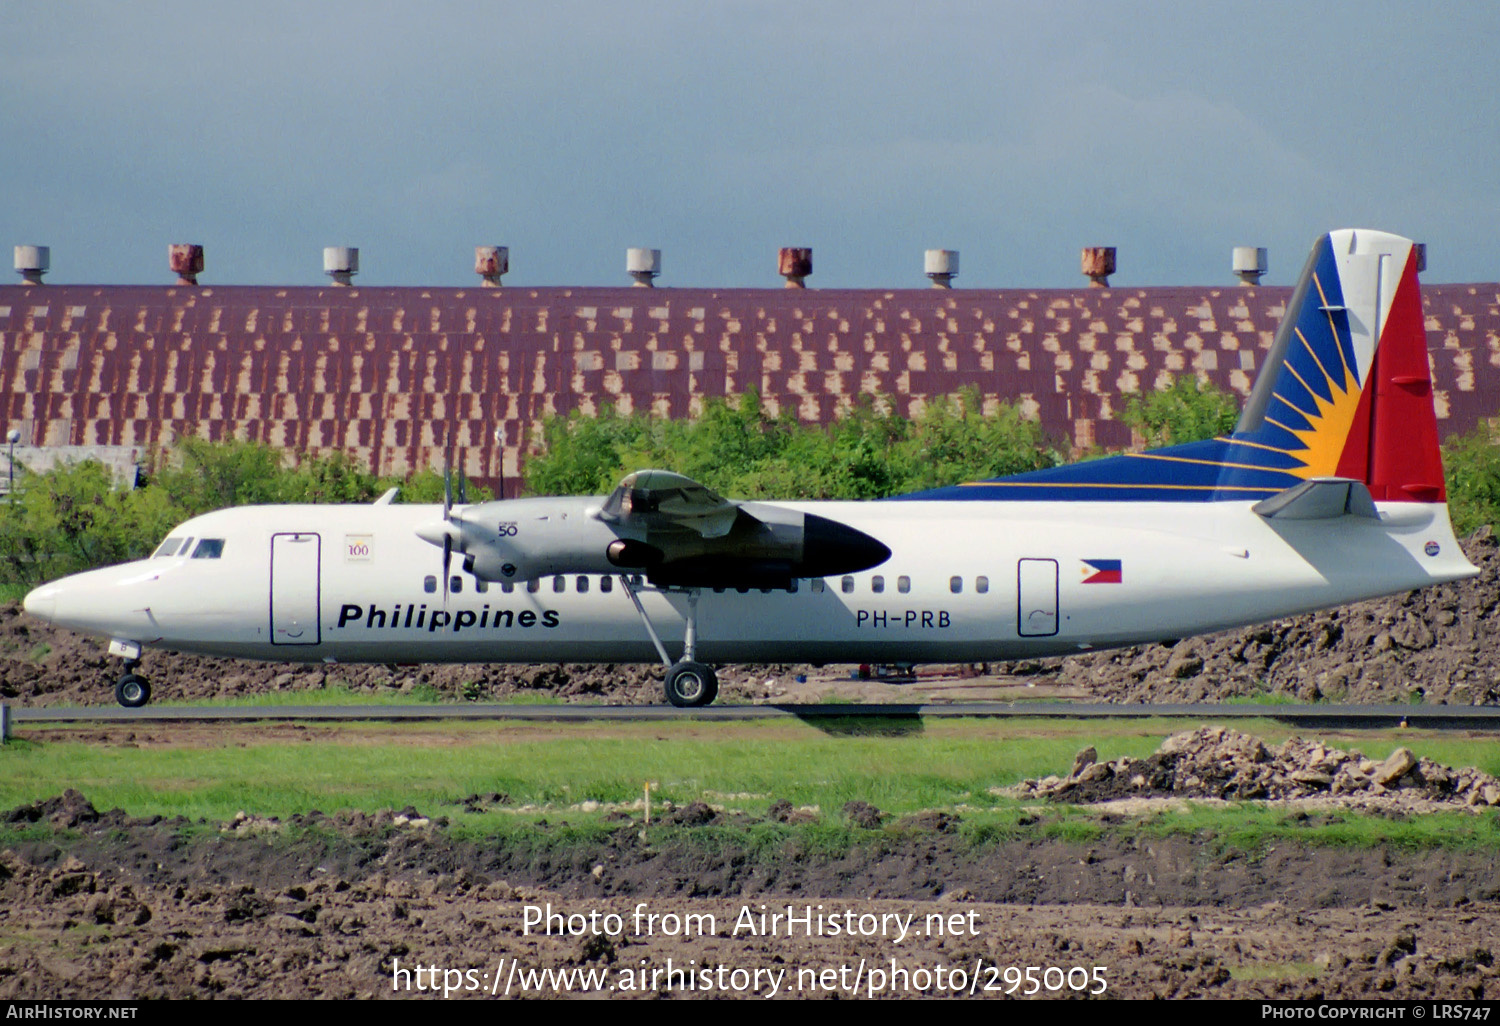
(966, 581)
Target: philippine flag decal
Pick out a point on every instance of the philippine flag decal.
(1101, 571)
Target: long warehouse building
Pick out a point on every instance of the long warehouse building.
(396, 375)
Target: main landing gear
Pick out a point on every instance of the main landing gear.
(132, 690)
(688, 683)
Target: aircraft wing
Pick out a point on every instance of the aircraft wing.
(656, 501)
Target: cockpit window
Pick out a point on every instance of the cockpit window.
(209, 548)
(166, 548)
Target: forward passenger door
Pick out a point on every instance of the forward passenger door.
(295, 585)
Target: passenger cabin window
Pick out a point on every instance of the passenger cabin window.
(606, 583)
(847, 585)
(956, 585)
(817, 585)
(903, 584)
(429, 584)
(877, 584)
(559, 583)
(507, 587)
(583, 585)
(534, 585)
(481, 586)
(167, 547)
(792, 587)
(981, 584)
(455, 584)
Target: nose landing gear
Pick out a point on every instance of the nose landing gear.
(132, 690)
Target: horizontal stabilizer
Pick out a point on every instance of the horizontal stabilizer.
(1322, 498)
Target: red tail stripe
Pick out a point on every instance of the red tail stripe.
(1404, 454)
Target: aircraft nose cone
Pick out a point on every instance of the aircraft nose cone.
(41, 602)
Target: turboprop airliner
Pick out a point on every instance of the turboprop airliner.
(1329, 490)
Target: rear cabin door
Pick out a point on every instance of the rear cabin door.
(294, 589)
(1036, 598)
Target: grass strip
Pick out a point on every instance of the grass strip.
(578, 773)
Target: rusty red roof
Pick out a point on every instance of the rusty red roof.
(394, 375)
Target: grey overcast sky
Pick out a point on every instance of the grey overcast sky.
(1015, 132)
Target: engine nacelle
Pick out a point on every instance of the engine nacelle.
(766, 545)
(524, 539)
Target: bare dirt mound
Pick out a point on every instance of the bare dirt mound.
(919, 857)
(330, 905)
(1216, 762)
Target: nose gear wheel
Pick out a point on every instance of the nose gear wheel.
(132, 691)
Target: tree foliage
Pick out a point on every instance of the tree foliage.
(72, 519)
(739, 449)
(1189, 411)
(1471, 464)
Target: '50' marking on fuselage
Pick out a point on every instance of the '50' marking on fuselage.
(506, 530)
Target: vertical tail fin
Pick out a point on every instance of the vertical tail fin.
(1346, 390)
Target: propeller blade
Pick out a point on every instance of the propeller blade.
(447, 565)
(447, 488)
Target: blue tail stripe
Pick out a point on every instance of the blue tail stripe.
(1197, 471)
(1287, 413)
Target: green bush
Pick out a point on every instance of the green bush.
(1189, 411)
(202, 475)
(1471, 464)
(740, 450)
(72, 519)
